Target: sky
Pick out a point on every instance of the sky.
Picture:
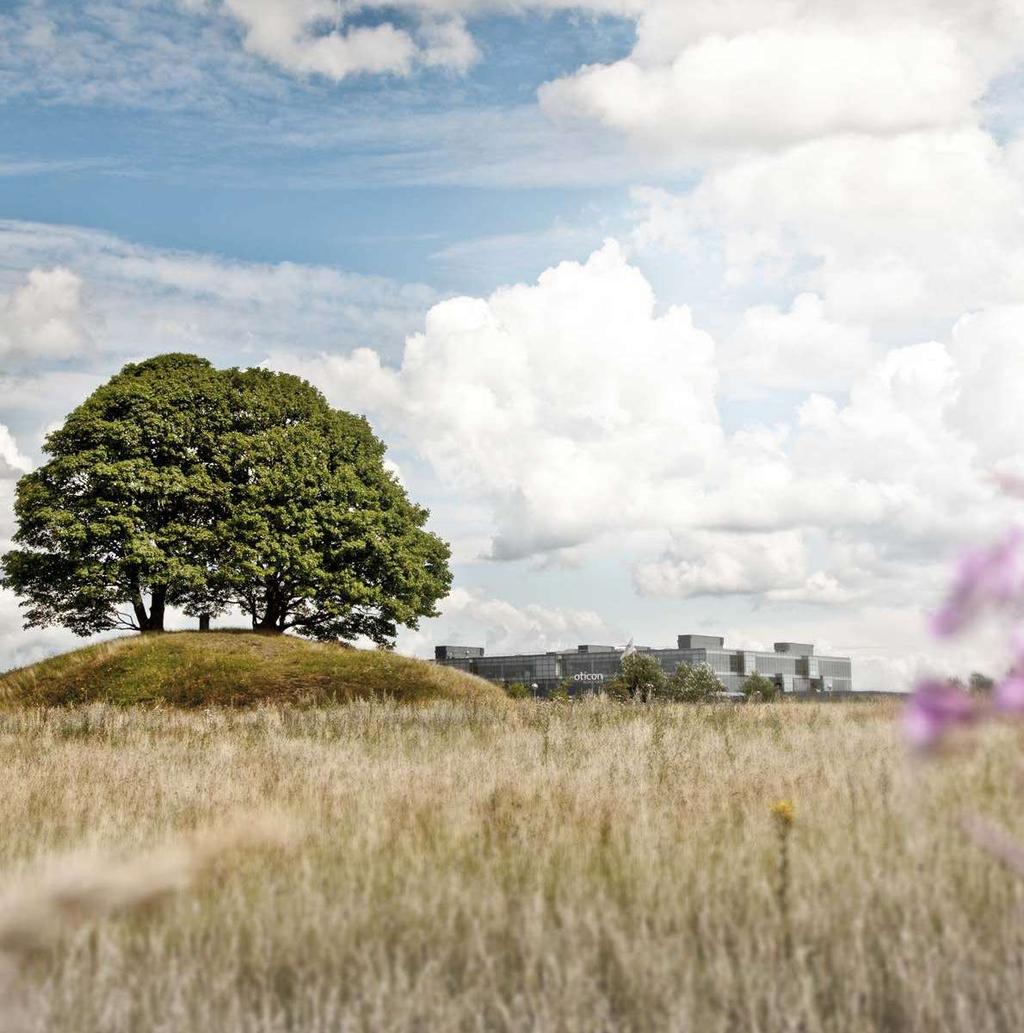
(680, 317)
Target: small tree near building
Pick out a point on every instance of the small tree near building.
(562, 692)
(759, 688)
(693, 684)
(517, 690)
(641, 679)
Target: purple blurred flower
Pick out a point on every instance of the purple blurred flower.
(993, 576)
(1008, 696)
(1017, 651)
(934, 709)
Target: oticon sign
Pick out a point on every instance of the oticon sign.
(587, 676)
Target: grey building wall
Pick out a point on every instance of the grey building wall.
(457, 652)
(793, 666)
(798, 648)
(700, 642)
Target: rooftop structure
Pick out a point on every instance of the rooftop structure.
(793, 666)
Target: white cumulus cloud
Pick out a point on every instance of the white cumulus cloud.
(43, 317)
(774, 86)
(313, 37)
(571, 412)
(566, 403)
(12, 462)
(797, 349)
(708, 563)
(12, 465)
(144, 299)
(758, 73)
(890, 232)
(988, 348)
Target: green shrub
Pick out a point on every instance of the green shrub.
(758, 687)
(641, 679)
(563, 692)
(692, 684)
(518, 690)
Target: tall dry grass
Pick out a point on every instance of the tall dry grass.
(587, 867)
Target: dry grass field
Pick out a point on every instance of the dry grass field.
(474, 866)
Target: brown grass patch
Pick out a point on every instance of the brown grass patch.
(233, 669)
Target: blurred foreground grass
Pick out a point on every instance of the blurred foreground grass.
(460, 866)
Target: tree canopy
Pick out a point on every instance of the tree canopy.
(758, 687)
(693, 684)
(641, 678)
(179, 484)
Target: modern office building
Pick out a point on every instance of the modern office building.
(793, 666)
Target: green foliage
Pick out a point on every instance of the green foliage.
(758, 687)
(641, 678)
(178, 484)
(562, 692)
(123, 510)
(695, 684)
(518, 690)
(234, 668)
(320, 537)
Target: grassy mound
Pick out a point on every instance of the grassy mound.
(190, 668)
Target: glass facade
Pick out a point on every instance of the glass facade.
(589, 668)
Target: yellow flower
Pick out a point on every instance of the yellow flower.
(784, 813)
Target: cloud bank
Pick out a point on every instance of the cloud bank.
(769, 73)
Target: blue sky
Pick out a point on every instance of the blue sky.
(681, 317)
(373, 174)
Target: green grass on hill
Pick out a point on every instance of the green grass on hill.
(232, 668)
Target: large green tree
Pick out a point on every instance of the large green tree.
(320, 536)
(117, 521)
(178, 484)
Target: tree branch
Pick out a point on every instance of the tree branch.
(123, 621)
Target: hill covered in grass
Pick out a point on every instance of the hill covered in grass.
(234, 668)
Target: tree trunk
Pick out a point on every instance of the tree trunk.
(276, 608)
(154, 620)
(204, 622)
(157, 605)
(269, 623)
